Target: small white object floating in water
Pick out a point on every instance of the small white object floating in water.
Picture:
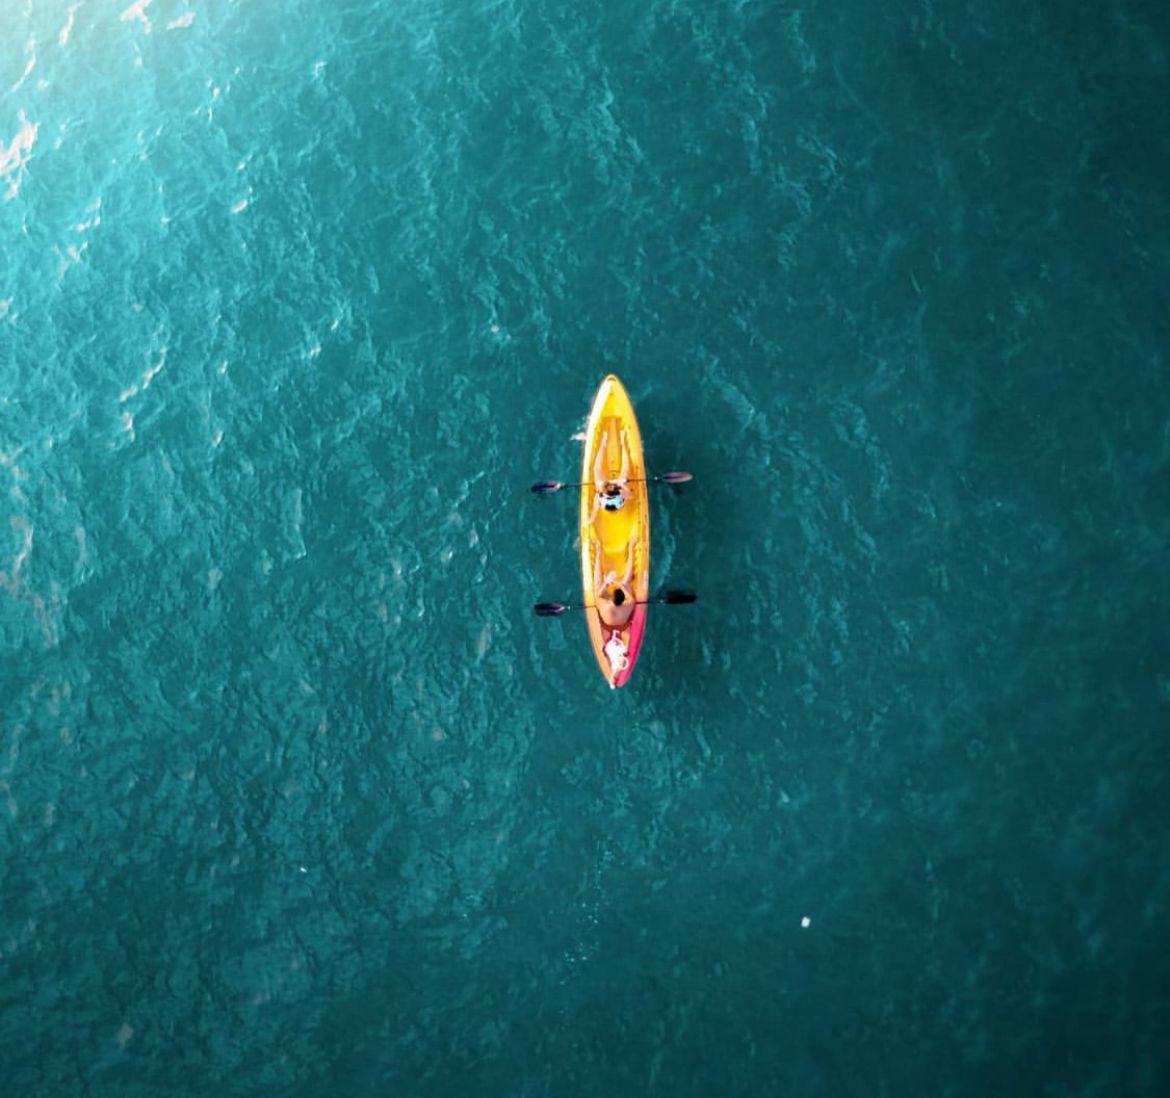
(805, 922)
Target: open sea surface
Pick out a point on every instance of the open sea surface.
(297, 797)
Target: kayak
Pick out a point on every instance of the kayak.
(619, 539)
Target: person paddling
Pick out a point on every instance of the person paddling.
(614, 599)
(611, 493)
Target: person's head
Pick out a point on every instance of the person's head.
(611, 490)
(619, 597)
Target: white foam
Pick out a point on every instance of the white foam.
(94, 208)
(15, 157)
(67, 30)
(151, 373)
(31, 49)
(71, 256)
(181, 22)
(137, 10)
(26, 544)
(805, 922)
(240, 206)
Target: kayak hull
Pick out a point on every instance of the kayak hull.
(619, 533)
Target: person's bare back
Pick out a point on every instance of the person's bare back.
(615, 599)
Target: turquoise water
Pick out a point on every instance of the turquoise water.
(296, 796)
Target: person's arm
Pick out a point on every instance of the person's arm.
(597, 583)
(596, 506)
(625, 457)
(599, 477)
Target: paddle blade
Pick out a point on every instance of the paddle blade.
(546, 487)
(549, 609)
(678, 477)
(679, 598)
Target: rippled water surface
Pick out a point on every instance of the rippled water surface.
(296, 795)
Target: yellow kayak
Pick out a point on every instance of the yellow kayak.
(615, 542)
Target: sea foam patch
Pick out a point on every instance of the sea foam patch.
(15, 156)
(137, 11)
(67, 29)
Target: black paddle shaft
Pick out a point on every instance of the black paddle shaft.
(548, 487)
(671, 598)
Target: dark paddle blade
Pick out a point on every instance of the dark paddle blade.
(546, 487)
(678, 477)
(679, 598)
(549, 609)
